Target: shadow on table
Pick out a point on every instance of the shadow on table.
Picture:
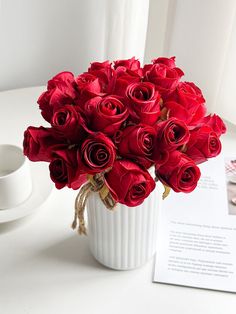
(6, 227)
(72, 250)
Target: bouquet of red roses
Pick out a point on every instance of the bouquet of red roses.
(109, 125)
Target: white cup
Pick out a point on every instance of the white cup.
(15, 177)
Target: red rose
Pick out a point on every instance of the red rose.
(104, 72)
(65, 170)
(117, 137)
(160, 156)
(68, 123)
(169, 62)
(129, 64)
(97, 153)
(88, 86)
(60, 91)
(105, 114)
(190, 97)
(100, 66)
(38, 143)
(172, 109)
(171, 134)
(203, 143)
(119, 119)
(163, 77)
(216, 123)
(188, 94)
(64, 81)
(137, 143)
(122, 78)
(144, 102)
(128, 183)
(179, 172)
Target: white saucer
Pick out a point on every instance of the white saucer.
(42, 187)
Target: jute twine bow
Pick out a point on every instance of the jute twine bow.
(95, 184)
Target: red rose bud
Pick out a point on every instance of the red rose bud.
(97, 153)
(137, 143)
(163, 77)
(216, 123)
(144, 102)
(204, 143)
(169, 62)
(65, 170)
(68, 123)
(180, 173)
(105, 114)
(38, 143)
(189, 97)
(171, 134)
(128, 183)
(61, 91)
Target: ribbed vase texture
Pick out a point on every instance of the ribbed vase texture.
(124, 238)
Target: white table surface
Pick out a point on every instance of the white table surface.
(46, 268)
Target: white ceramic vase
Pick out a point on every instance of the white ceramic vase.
(126, 237)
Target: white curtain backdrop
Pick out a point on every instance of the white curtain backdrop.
(202, 35)
(39, 38)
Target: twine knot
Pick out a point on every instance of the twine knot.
(95, 183)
